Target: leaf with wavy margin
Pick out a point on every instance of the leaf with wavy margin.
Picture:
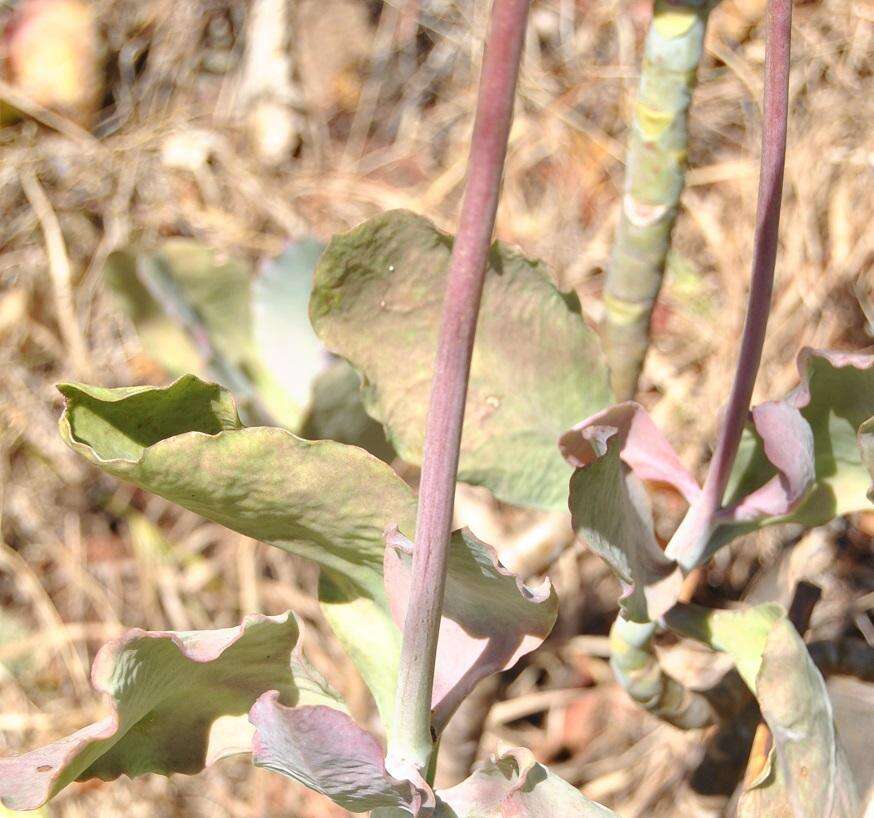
(329, 753)
(799, 462)
(835, 397)
(178, 703)
(609, 506)
(490, 617)
(514, 784)
(322, 500)
(325, 750)
(536, 366)
(806, 773)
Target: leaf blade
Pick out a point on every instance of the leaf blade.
(167, 691)
(321, 500)
(536, 366)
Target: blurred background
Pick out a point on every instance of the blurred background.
(204, 135)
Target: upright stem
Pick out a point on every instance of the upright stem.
(689, 547)
(412, 739)
(655, 172)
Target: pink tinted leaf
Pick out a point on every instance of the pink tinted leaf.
(173, 699)
(787, 441)
(490, 618)
(514, 784)
(610, 509)
(822, 417)
(324, 749)
(322, 500)
(643, 448)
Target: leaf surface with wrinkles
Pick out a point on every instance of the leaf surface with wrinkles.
(322, 500)
(176, 698)
(536, 368)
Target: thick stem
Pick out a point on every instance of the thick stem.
(412, 739)
(689, 544)
(655, 171)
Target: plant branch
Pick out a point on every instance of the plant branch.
(689, 547)
(412, 739)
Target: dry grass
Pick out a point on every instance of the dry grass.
(383, 111)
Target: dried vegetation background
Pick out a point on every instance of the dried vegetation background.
(214, 120)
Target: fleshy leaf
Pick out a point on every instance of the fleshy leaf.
(176, 699)
(490, 618)
(806, 773)
(283, 336)
(328, 752)
(643, 448)
(322, 500)
(514, 784)
(741, 633)
(336, 412)
(800, 461)
(835, 397)
(196, 311)
(536, 366)
(787, 442)
(610, 509)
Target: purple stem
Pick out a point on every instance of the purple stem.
(689, 544)
(412, 740)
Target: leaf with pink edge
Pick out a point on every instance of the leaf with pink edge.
(328, 752)
(610, 509)
(178, 702)
(490, 618)
(322, 500)
(835, 397)
(514, 784)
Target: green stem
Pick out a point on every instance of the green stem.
(412, 741)
(654, 177)
(637, 669)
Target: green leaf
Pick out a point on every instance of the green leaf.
(192, 310)
(610, 509)
(806, 773)
(536, 368)
(336, 412)
(742, 633)
(514, 784)
(164, 339)
(285, 342)
(322, 500)
(489, 618)
(835, 398)
(198, 312)
(179, 702)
